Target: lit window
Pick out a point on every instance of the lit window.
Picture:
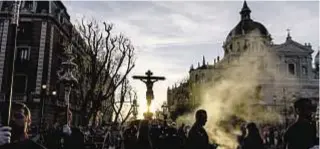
(23, 53)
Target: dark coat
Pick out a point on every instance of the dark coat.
(56, 139)
(197, 138)
(28, 144)
(301, 135)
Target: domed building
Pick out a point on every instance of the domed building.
(250, 40)
(245, 35)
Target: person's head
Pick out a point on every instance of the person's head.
(252, 129)
(201, 117)
(20, 117)
(303, 107)
(60, 117)
(243, 130)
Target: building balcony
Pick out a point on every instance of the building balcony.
(63, 104)
(15, 97)
(20, 97)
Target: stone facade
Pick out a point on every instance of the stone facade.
(291, 59)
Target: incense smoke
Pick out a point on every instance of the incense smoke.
(232, 97)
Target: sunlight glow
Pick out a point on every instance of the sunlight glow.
(143, 107)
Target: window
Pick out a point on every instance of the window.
(245, 44)
(291, 69)
(197, 78)
(258, 92)
(43, 6)
(6, 5)
(261, 63)
(27, 5)
(61, 19)
(23, 53)
(278, 67)
(238, 48)
(24, 32)
(20, 83)
(304, 70)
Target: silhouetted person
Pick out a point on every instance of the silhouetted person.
(182, 135)
(172, 139)
(144, 141)
(20, 122)
(271, 137)
(198, 137)
(64, 136)
(155, 133)
(242, 136)
(253, 140)
(302, 134)
(130, 137)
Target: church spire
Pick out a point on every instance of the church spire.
(245, 11)
(203, 61)
(191, 68)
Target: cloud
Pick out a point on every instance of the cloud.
(170, 36)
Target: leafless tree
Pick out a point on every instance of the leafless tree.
(104, 62)
(126, 96)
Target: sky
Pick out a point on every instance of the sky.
(171, 36)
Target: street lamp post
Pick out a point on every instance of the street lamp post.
(43, 97)
(54, 93)
(43, 92)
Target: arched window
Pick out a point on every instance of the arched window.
(238, 46)
(304, 70)
(245, 44)
(197, 77)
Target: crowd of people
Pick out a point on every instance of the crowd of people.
(151, 134)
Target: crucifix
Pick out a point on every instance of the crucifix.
(149, 80)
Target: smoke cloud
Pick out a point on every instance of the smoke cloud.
(233, 95)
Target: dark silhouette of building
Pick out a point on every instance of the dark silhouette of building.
(43, 26)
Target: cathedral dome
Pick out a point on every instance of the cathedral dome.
(247, 25)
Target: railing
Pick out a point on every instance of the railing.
(19, 97)
(15, 97)
(62, 104)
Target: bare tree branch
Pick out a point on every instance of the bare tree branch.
(109, 60)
